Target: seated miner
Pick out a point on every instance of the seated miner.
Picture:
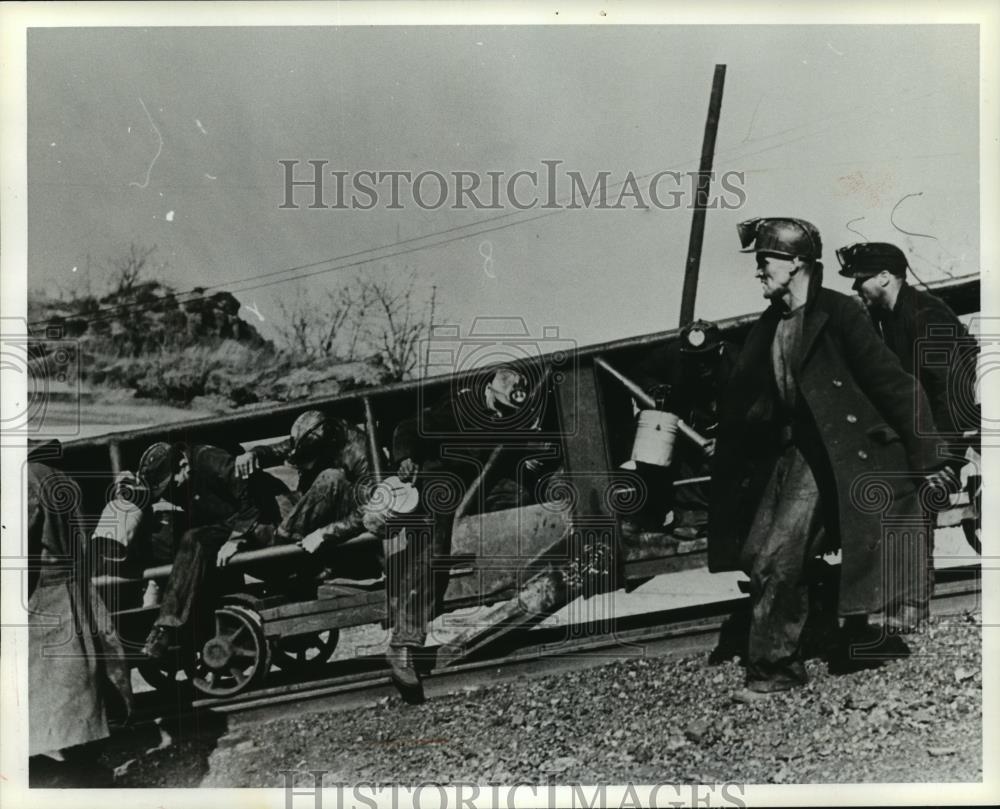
(685, 377)
(224, 514)
(334, 475)
(446, 450)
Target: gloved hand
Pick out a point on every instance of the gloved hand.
(408, 470)
(246, 465)
(314, 541)
(229, 549)
(374, 520)
(945, 478)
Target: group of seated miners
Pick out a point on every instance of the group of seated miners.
(231, 504)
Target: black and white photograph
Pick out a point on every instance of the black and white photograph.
(418, 404)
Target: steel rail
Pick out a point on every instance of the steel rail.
(541, 651)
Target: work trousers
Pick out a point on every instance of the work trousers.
(787, 531)
(418, 575)
(191, 584)
(330, 498)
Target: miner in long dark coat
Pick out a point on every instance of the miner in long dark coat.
(934, 347)
(817, 449)
(74, 653)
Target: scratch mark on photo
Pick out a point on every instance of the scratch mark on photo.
(908, 232)
(159, 148)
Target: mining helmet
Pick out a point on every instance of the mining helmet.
(510, 389)
(700, 337)
(156, 467)
(782, 236)
(311, 434)
(865, 259)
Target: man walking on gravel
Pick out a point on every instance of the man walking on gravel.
(817, 449)
(935, 348)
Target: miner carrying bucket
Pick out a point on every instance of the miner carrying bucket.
(686, 379)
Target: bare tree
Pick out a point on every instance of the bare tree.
(126, 270)
(391, 324)
(366, 318)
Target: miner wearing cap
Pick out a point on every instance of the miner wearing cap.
(817, 448)
(685, 377)
(933, 346)
(443, 450)
(331, 458)
(224, 514)
(921, 329)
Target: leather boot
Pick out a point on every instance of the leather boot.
(404, 674)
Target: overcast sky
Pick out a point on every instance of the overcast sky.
(832, 124)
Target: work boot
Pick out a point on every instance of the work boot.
(158, 643)
(404, 674)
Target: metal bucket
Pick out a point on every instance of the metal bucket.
(654, 437)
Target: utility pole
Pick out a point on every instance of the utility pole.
(701, 198)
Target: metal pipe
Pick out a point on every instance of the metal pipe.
(650, 404)
(239, 560)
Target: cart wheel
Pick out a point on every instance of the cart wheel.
(304, 652)
(235, 658)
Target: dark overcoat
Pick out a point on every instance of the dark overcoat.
(854, 423)
(933, 345)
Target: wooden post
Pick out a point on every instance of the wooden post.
(701, 198)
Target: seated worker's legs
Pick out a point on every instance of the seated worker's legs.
(329, 498)
(185, 587)
(786, 532)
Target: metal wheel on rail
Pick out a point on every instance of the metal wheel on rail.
(235, 658)
(304, 653)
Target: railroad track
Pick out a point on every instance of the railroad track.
(540, 651)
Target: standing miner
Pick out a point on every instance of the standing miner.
(76, 666)
(817, 425)
(934, 347)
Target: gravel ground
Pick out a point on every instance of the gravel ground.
(643, 720)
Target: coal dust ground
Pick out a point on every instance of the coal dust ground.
(643, 720)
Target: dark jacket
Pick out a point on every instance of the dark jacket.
(854, 422)
(459, 434)
(934, 346)
(351, 457)
(214, 495)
